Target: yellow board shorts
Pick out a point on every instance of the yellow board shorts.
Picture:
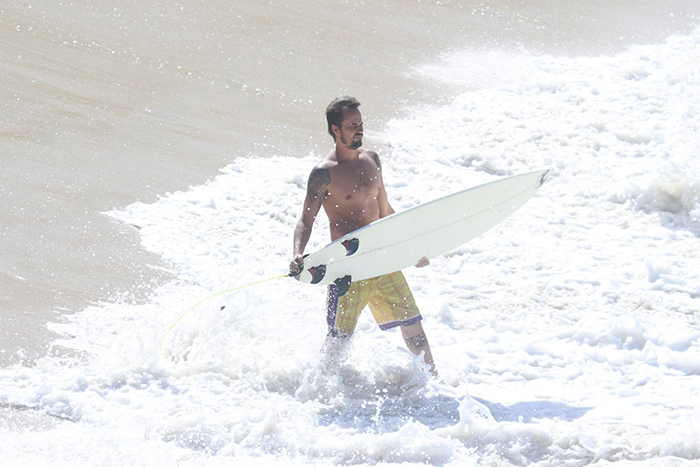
(388, 297)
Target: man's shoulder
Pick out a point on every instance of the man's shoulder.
(372, 155)
(321, 171)
(319, 178)
(327, 162)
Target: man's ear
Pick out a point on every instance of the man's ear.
(335, 130)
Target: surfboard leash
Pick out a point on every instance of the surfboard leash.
(270, 279)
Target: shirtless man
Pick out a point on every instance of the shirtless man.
(348, 184)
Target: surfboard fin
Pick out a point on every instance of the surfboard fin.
(351, 246)
(317, 273)
(343, 284)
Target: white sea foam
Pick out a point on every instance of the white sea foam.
(567, 335)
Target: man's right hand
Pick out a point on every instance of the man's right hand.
(296, 266)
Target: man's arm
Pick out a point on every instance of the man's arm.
(385, 208)
(319, 179)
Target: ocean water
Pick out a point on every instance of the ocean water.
(567, 335)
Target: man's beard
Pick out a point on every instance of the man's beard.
(354, 144)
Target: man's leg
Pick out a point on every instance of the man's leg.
(417, 342)
(342, 315)
(335, 350)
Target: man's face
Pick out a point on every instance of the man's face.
(351, 130)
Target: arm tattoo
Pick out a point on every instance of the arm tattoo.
(418, 341)
(318, 180)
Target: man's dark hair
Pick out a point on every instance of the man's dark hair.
(334, 111)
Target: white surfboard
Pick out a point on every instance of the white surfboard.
(428, 230)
